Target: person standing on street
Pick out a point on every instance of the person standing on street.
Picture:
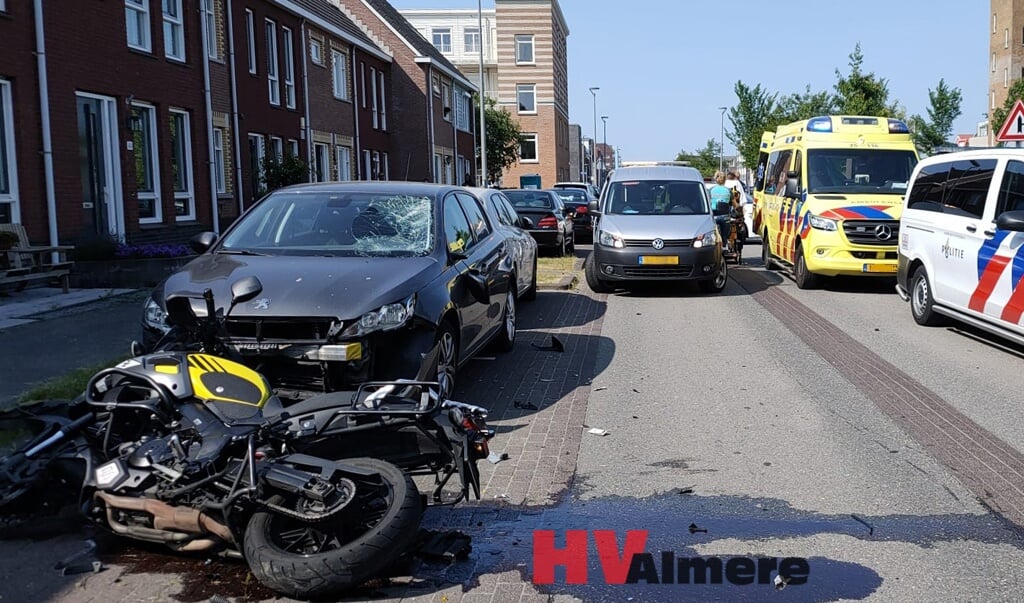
(732, 180)
(720, 193)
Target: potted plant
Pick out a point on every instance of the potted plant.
(7, 240)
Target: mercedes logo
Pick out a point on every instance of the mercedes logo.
(657, 244)
(883, 232)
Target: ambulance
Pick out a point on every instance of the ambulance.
(832, 196)
(759, 179)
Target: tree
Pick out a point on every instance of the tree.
(280, 173)
(944, 108)
(503, 139)
(706, 160)
(801, 106)
(862, 93)
(750, 118)
(998, 116)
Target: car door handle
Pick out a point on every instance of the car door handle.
(989, 233)
(972, 228)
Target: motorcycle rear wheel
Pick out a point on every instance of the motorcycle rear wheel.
(312, 560)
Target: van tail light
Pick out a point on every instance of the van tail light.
(581, 209)
(547, 222)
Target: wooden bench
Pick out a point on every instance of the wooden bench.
(24, 263)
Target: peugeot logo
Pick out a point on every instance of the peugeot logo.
(657, 244)
(883, 232)
(261, 304)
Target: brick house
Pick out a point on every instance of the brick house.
(432, 102)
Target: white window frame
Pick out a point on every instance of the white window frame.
(1006, 77)
(189, 193)
(1006, 38)
(261, 153)
(441, 33)
(293, 147)
(383, 104)
(317, 56)
(289, 67)
(386, 169)
(343, 162)
(530, 89)
(375, 172)
(154, 168)
(250, 33)
(10, 154)
(277, 148)
(993, 62)
(321, 162)
(366, 165)
(362, 81)
(273, 73)
(339, 78)
(437, 168)
(523, 41)
(536, 147)
(209, 13)
(373, 97)
(3, 6)
(446, 101)
(219, 166)
(174, 31)
(471, 39)
(139, 9)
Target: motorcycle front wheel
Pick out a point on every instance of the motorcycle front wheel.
(310, 560)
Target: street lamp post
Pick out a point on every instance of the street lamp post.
(721, 149)
(604, 148)
(593, 150)
(483, 102)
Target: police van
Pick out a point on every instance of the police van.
(831, 196)
(961, 241)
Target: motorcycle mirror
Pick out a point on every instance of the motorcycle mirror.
(137, 349)
(245, 289)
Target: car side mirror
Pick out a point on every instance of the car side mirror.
(1011, 220)
(478, 287)
(526, 223)
(245, 289)
(792, 188)
(594, 207)
(202, 241)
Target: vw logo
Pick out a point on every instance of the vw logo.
(883, 232)
(658, 244)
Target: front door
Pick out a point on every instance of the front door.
(98, 164)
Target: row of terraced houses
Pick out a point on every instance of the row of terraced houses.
(149, 120)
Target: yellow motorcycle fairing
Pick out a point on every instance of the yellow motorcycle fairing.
(225, 383)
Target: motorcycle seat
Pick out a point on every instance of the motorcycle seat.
(320, 402)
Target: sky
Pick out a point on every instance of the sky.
(664, 67)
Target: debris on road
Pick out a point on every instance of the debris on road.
(598, 432)
(494, 458)
(694, 529)
(556, 346)
(82, 562)
(524, 405)
(603, 387)
(444, 546)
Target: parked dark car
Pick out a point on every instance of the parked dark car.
(579, 200)
(359, 279)
(552, 220)
(524, 246)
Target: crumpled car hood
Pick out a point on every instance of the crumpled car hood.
(339, 287)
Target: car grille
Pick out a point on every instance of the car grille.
(862, 232)
(668, 242)
(680, 271)
(288, 329)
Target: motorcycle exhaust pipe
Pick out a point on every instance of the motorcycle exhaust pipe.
(166, 518)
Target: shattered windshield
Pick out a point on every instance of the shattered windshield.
(336, 224)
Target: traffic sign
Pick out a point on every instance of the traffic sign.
(1013, 129)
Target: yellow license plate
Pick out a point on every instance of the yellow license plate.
(658, 259)
(880, 268)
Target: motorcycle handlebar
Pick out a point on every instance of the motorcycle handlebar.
(164, 394)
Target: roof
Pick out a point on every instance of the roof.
(331, 18)
(660, 172)
(415, 39)
(393, 187)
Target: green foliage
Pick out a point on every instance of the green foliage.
(862, 93)
(503, 134)
(68, 385)
(706, 160)
(750, 118)
(277, 174)
(801, 106)
(999, 114)
(937, 128)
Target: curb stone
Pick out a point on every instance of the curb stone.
(568, 281)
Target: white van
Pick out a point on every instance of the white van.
(656, 224)
(961, 245)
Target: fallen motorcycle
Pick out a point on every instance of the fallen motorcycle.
(193, 450)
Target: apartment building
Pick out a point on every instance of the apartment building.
(1006, 50)
(458, 35)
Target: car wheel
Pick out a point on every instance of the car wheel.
(717, 284)
(531, 293)
(803, 277)
(922, 304)
(766, 253)
(593, 280)
(448, 359)
(507, 335)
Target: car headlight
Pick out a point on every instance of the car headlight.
(609, 240)
(708, 239)
(384, 318)
(154, 316)
(822, 223)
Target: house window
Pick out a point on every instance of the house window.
(316, 51)
(250, 38)
(340, 75)
(526, 95)
(273, 82)
(376, 165)
(528, 148)
(211, 28)
(136, 16)
(366, 165)
(993, 62)
(524, 48)
(385, 173)
(3, 6)
(1006, 39)
(321, 163)
(448, 170)
(446, 100)
(1006, 77)
(293, 148)
(383, 105)
(462, 110)
(146, 154)
(373, 96)
(993, 23)
(8, 173)
(277, 148)
(471, 37)
(289, 67)
(174, 30)
(343, 159)
(362, 81)
(442, 38)
(218, 161)
(435, 84)
(181, 166)
(437, 168)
